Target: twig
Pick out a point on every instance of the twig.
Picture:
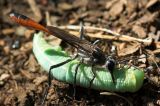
(114, 94)
(106, 36)
(48, 18)
(117, 36)
(74, 27)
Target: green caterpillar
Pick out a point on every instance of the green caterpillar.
(126, 79)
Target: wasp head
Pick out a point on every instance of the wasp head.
(110, 65)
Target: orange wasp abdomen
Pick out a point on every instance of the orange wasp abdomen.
(25, 21)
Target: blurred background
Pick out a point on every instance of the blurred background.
(22, 81)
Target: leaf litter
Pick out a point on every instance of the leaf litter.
(25, 81)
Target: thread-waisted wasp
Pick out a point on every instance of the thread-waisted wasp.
(87, 52)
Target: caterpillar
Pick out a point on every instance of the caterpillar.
(127, 79)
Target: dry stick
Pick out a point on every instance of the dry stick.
(48, 21)
(48, 18)
(106, 36)
(12, 76)
(115, 94)
(90, 27)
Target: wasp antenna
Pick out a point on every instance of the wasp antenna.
(81, 30)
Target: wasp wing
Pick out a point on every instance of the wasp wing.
(73, 40)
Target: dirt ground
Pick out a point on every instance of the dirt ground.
(23, 81)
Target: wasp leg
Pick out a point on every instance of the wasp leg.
(81, 30)
(94, 75)
(74, 84)
(50, 77)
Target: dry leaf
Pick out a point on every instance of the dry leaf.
(142, 58)
(27, 74)
(110, 3)
(4, 76)
(147, 18)
(20, 94)
(157, 51)
(116, 9)
(131, 5)
(31, 64)
(2, 42)
(150, 3)
(40, 79)
(65, 6)
(8, 31)
(129, 49)
(155, 37)
(139, 31)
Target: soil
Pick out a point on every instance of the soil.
(23, 81)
